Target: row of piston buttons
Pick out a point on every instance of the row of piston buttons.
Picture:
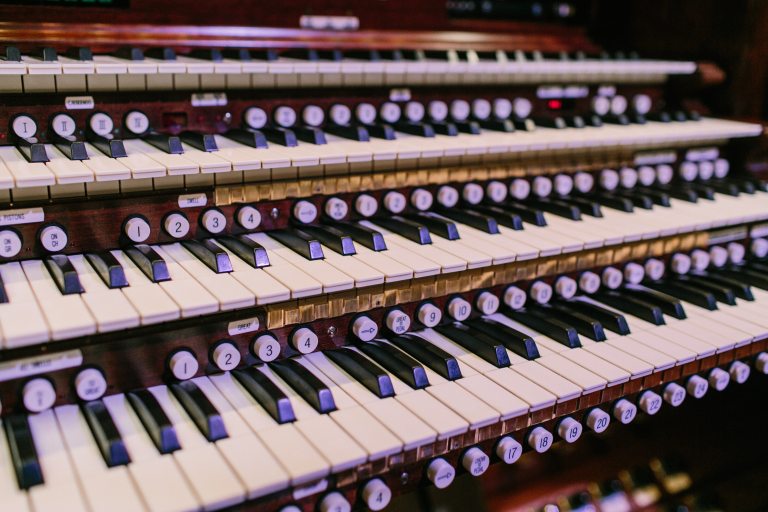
(374, 494)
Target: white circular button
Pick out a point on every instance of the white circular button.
(509, 450)
(736, 252)
(739, 372)
(688, 171)
(601, 105)
(226, 356)
(563, 184)
(680, 263)
(284, 116)
(290, 508)
(699, 259)
(304, 340)
(566, 287)
(583, 181)
(496, 191)
(475, 461)
(459, 309)
(414, 111)
(63, 125)
(266, 348)
(397, 321)
(365, 113)
(10, 243)
(624, 411)
(38, 395)
(304, 212)
(609, 179)
(440, 473)
(618, 105)
(706, 170)
(650, 402)
(248, 217)
(90, 384)
(641, 103)
(460, 110)
(759, 247)
(542, 186)
(24, 127)
(340, 114)
(438, 110)
(390, 112)
(176, 225)
(487, 303)
(472, 193)
(136, 229)
(312, 115)
(664, 173)
(334, 502)
(514, 297)
(429, 315)
(421, 199)
(336, 208)
(366, 205)
(183, 365)
(481, 108)
(376, 494)
(697, 386)
(674, 394)
(634, 273)
(761, 363)
(722, 166)
(719, 379)
(136, 122)
(540, 439)
(612, 278)
(589, 282)
(540, 292)
(519, 188)
(101, 124)
(394, 202)
(718, 256)
(646, 175)
(256, 118)
(628, 177)
(213, 221)
(447, 196)
(364, 328)
(654, 269)
(569, 430)
(53, 238)
(598, 420)
(522, 107)
(502, 108)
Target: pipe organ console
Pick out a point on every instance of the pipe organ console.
(278, 258)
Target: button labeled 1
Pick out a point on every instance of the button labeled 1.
(136, 229)
(183, 365)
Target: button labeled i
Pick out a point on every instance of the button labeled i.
(183, 364)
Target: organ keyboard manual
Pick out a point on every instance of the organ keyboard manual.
(362, 255)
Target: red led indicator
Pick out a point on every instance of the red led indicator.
(555, 104)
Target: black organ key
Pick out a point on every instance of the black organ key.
(252, 138)
(444, 128)
(306, 384)
(747, 186)
(530, 215)
(669, 305)
(363, 370)
(155, 421)
(741, 289)
(202, 141)
(409, 229)
(546, 323)
(72, 149)
(248, 250)
(469, 127)
(46, 54)
(105, 433)
(722, 293)
(725, 187)
(64, 274)
(436, 224)
(161, 53)
(400, 364)
(364, 55)
(269, 55)
(334, 238)
(167, 143)
(282, 136)
(213, 256)
(80, 53)
(684, 292)
(753, 276)
(684, 194)
(705, 191)
(556, 207)
(311, 134)
(638, 199)
(381, 131)
(33, 152)
(584, 205)
(211, 54)
(10, 54)
(363, 235)
(575, 121)
(497, 125)
(26, 465)
(657, 196)
(149, 262)
(113, 148)
(3, 293)
(556, 122)
(352, 132)
(413, 128)
(300, 242)
(478, 343)
(612, 201)
(477, 220)
(130, 53)
(516, 341)
(584, 324)
(609, 319)
(636, 307)
(266, 393)
(202, 412)
(524, 125)
(505, 218)
(620, 119)
(435, 358)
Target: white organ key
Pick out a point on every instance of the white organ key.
(104, 487)
(149, 299)
(105, 168)
(175, 165)
(207, 161)
(66, 170)
(21, 319)
(67, 315)
(192, 298)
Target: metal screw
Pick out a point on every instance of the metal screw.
(275, 213)
(404, 477)
(331, 331)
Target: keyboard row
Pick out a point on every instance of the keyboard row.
(145, 166)
(62, 297)
(217, 440)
